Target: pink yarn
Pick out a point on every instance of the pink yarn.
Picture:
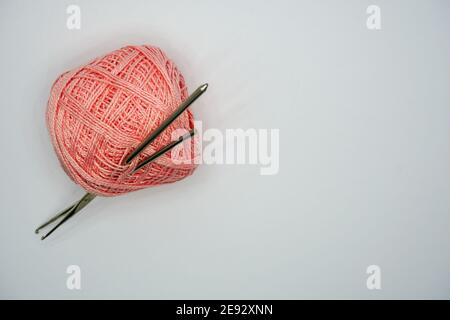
(98, 113)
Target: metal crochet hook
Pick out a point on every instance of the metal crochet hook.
(69, 212)
(152, 136)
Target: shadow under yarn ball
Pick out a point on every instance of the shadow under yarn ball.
(98, 113)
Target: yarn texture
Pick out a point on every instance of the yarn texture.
(98, 114)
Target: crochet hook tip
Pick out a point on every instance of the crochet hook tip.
(181, 108)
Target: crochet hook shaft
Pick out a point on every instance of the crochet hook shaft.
(194, 96)
(164, 149)
(69, 212)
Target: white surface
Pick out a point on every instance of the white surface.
(364, 153)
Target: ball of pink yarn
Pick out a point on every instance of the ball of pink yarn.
(98, 113)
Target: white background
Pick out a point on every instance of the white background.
(364, 153)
